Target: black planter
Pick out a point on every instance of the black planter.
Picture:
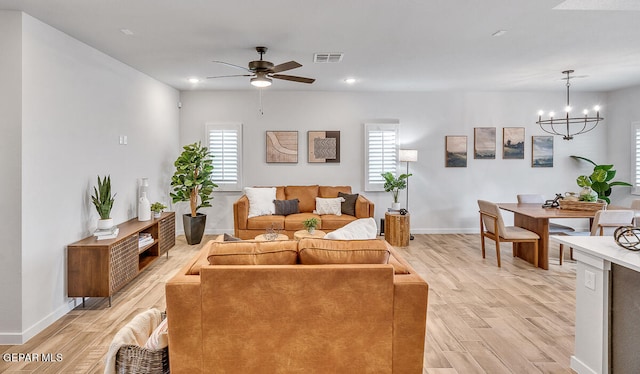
(194, 227)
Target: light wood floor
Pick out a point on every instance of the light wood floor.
(481, 319)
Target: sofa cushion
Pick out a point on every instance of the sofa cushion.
(306, 194)
(293, 222)
(364, 228)
(333, 191)
(325, 251)
(332, 222)
(329, 205)
(265, 222)
(349, 203)
(260, 200)
(286, 207)
(282, 252)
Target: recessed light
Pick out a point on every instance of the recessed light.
(126, 32)
(194, 80)
(350, 80)
(499, 33)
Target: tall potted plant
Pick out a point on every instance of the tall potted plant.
(192, 182)
(103, 201)
(394, 185)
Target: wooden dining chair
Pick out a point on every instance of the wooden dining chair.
(492, 227)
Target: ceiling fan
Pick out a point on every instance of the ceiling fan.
(263, 71)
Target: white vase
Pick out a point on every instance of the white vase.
(144, 208)
(395, 206)
(105, 224)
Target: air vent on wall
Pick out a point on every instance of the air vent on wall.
(329, 57)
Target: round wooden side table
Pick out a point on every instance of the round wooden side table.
(397, 229)
(305, 234)
(263, 238)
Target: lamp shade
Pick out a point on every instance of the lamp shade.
(408, 155)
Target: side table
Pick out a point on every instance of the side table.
(397, 229)
(305, 234)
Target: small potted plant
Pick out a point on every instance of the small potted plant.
(394, 185)
(157, 209)
(310, 224)
(103, 201)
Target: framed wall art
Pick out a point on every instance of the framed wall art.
(513, 143)
(542, 151)
(324, 146)
(484, 143)
(455, 151)
(282, 146)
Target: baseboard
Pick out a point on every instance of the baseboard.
(581, 367)
(18, 338)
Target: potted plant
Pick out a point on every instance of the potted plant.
(310, 224)
(599, 182)
(394, 185)
(157, 209)
(192, 182)
(103, 201)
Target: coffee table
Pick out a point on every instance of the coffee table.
(305, 234)
(263, 238)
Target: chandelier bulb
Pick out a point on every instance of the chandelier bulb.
(567, 109)
(596, 108)
(541, 112)
(585, 112)
(551, 114)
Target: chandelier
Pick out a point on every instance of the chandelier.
(566, 125)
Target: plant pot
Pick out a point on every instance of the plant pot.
(105, 224)
(194, 227)
(395, 206)
(157, 215)
(311, 230)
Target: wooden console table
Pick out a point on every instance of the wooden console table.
(99, 268)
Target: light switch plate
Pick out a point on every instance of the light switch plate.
(590, 280)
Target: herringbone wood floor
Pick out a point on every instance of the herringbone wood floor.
(481, 319)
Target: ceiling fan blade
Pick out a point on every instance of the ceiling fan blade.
(232, 65)
(293, 78)
(229, 76)
(285, 66)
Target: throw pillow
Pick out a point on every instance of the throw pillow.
(260, 201)
(286, 207)
(349, 203)
(363, 228)
(329, 206)
(229, 238)
(159, 337)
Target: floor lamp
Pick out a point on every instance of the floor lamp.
(408, 155)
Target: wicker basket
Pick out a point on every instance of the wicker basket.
(582, 205)
(133, 359)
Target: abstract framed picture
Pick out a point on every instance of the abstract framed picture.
(542, 151)
(484, 143)
(513, 143)
(324, 146)
(282, 146)
(455, 151)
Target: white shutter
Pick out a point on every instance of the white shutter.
(636, 161)
(381, 154)
(225, 144)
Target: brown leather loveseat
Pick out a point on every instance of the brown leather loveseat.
(308, 315)
(249, 228)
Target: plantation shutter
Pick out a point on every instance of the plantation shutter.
(225, 144)
(636, 162)
(381, 154)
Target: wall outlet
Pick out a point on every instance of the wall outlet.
(590, 280)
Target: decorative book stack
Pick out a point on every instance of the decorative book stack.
(144, 239)
(102, 234)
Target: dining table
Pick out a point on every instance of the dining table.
(535, 217)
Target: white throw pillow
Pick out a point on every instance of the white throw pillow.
(261, 201)
(363, 228)
(329, 206)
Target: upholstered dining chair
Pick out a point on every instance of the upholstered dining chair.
(492, 227)
(605, 222)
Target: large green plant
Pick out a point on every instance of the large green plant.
(394, 185)
(102, 199)
(192, 179)
(600, 179)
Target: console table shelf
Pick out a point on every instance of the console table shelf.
(99, 268)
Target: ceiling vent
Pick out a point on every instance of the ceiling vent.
(329, 57)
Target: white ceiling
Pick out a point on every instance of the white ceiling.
(402, 45)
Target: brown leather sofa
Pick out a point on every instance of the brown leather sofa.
(249, 228)
(297, 318)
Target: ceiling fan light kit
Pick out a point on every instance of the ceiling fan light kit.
(263, 72)
(567, 126)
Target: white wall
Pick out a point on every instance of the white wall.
(76, 102)
(10, 160)
(442, 199)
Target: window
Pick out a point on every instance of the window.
(381, 154)
(225, 144)
(635, 127)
